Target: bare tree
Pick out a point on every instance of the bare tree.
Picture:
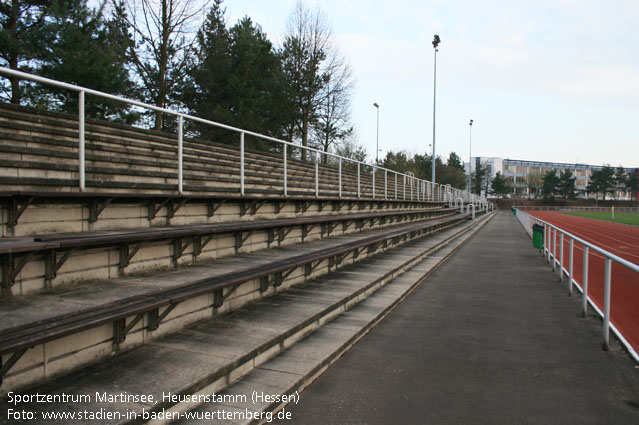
(332, 122)
(163, 45)
(305, 48)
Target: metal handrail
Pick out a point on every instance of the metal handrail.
(82, 91)
(550, 233)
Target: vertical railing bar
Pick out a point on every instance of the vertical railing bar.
(340, 178)
(358, 180)
(561, 256)
(242, 163)
(395, 186)
(554, 248)
(404, 181)
(584, 283)
(570, 265)
(180, 154)
(285, 170)
(316, 177)
(81, 156)
(606, 319)
(385, 184)
(374, 181)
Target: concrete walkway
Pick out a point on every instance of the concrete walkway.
(490, 337)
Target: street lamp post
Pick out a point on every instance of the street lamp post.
(436, 41)
(470, 154)
(377, 145)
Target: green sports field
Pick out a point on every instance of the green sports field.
(620, 217)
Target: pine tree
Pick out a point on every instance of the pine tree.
(549, 185)
(23, 34)
(499, 185)
(88, 50)
(205, 91)
(566, 186)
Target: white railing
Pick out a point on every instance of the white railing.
(577, 209)
(551, 233)
(419, 189)
(424, 190)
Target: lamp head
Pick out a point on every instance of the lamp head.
(436, 41)
(376, 105)
(471, 122)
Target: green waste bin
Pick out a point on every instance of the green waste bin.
(538, 236)
(514, 211)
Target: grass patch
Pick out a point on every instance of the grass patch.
(620, 217)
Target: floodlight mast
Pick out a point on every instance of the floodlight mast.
(470, 153)
(436, 41)
(376, 105)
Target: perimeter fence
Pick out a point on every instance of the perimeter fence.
(554, 254)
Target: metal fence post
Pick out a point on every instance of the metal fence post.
(584, 283)
(180, 154)
(606, 321)
(340, 178)
(561, 256)
(554, 248)
(404, 181)
(385, 184)
(374, 181)
(285, 171)
(81, 164)
(395, 186)
(570, 267)
(316, 177)
(242, 163)
(358, 186)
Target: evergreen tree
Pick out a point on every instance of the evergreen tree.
(602, 181)
(566, 186)
(256, 83)
(206, 92)
(499, 185)
(90, 51)
(23, 34)
(479, 177)
(620, 179)
(549, 185)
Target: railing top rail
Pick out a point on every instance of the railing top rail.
(602, 251)
(76, 88)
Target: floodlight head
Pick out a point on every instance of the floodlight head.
(436, 41)
(376, 105)
(471, 122)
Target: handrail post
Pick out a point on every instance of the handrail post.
(570, 266)
(404, 181)
(340, 177)
(316, 177)
(385, 184)
(554, 248)
(180, 154)
(396, 186)
(242, 163)
(358, 184)
(561, 256)
(374, 172)
(606, 321)
(584, 283)
(285, 170)
(81, 163)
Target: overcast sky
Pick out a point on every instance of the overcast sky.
(546, 80)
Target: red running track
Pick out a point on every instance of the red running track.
(619, 239)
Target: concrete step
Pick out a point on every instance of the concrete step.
(208, 357)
